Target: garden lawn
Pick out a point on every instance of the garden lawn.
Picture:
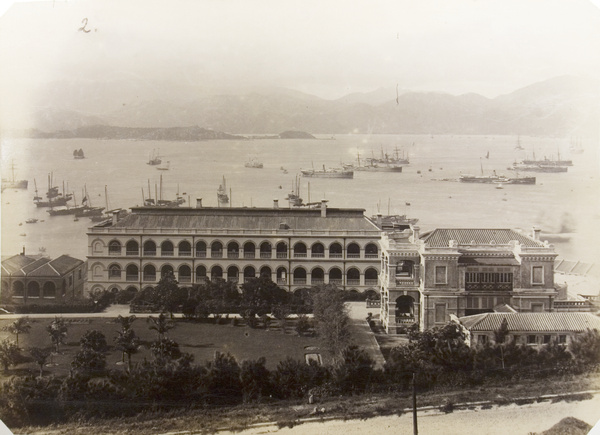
(200, 339)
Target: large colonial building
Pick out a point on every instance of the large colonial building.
(296, 248)
(33, 279)
(426, 278)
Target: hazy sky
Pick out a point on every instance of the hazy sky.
(325, 47)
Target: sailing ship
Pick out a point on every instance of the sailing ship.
(55, 198)
(154, 158)
(253, 163)
(518, 146)
(294, 196)
(537, 167)
(65, 210)
(78, 154)
(12, 183)
(328, 173)
(159, 201)
(373, 165)
(88, 209)
(576, 147)
(222, 196)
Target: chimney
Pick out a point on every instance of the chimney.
(536, 233)
(416, 233)
(379, 221)
(198, 202)
(275, 203)
(23, 251)
(115, 217)
(323, 208)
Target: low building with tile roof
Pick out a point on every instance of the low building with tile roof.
(425, 278)
(527, 328)
(35, 279)
(294, 247)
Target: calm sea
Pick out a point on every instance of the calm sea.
(565, 202)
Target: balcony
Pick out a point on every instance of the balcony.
(250, 254)
(353, 282)
(131, 277)
(281, 281)
(300, 255)
(114, 251)
(132, 253)
(216, 254)
(185, 253)
(353, 255)
(317, 281)
(201, 254)
(149, 278)
(233, 254)
(317, 255)
(371, 282)
(489, 286)
(405, 320)
(185, 279)
(282, 255)
(335, 255)
(201, 279)
(233, 279)
(300, 281)
(336, 281)
(265, 254)
(114, 275)
(168, 253)
(371, 255)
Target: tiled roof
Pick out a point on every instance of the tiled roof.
(466, 236)
(248, 219)
(16, 263)
(23, 265)
(532, 322)
(65, 263)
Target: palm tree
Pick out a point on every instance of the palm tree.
(126, 322)
(19, 326)
(160, 324)
(58, 331)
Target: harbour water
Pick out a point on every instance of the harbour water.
(564, 205)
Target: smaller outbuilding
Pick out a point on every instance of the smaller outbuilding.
(35, 279)
(532, 329)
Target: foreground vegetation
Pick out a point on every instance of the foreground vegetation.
(168, 382)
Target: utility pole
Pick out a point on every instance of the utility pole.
(414, 385)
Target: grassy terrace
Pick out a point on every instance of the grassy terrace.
(200, 339)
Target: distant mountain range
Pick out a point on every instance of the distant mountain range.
(562, 106)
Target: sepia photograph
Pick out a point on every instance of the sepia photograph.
(300, 217)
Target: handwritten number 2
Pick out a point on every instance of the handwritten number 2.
(82, 28)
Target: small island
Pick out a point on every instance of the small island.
(291, 134)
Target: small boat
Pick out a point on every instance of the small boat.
(253, 163)
(31, 221)
(164, 167)
(154, 159)
(78, 154)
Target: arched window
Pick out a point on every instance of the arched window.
(317, 250)
(300, 276)
(353, 250)
(265, 272)
(200, 274)
(281, 276)
(167, 269)
(149, 273)
(216, 273)
(114, 247)
(149, 248)
(335, 250)
(33, 289)
(300, 250)
(353, 276)
(233, 250)
(265, 250)
(404, 269)
(184, 248)
(233, 274)
(167, 249)
(216, 250)
(405, 308)
(249, 273)
(201, 249)
(371, 251)
(335, 276)
(371, 276)
(49, 290)
(132, 248)
(114, 271)
(249, 250)
(317, 276)
(282, 250)
(131, 273)
(184, 274)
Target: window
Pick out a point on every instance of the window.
(547, 339)
(482, 339)
(531, 339)
(441, 275)
(537, 308)
(537, 275)
(70, 281)
(440, 313)
(562, 339)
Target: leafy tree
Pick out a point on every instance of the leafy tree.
(281, 313)
(57, 331)
(128, 343)
(40, 356)
(262, 291)
(125, 322)
(89, 361)
(355, 371)
(502, 332)
(586, 347)
(19, 326)
(223, 381)
(302, 324)
(168, 297)
(94, 340)
(256, 380)
(9, 353)
(293, 378)
(160, 324)
(165, 350)
(332, 321)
